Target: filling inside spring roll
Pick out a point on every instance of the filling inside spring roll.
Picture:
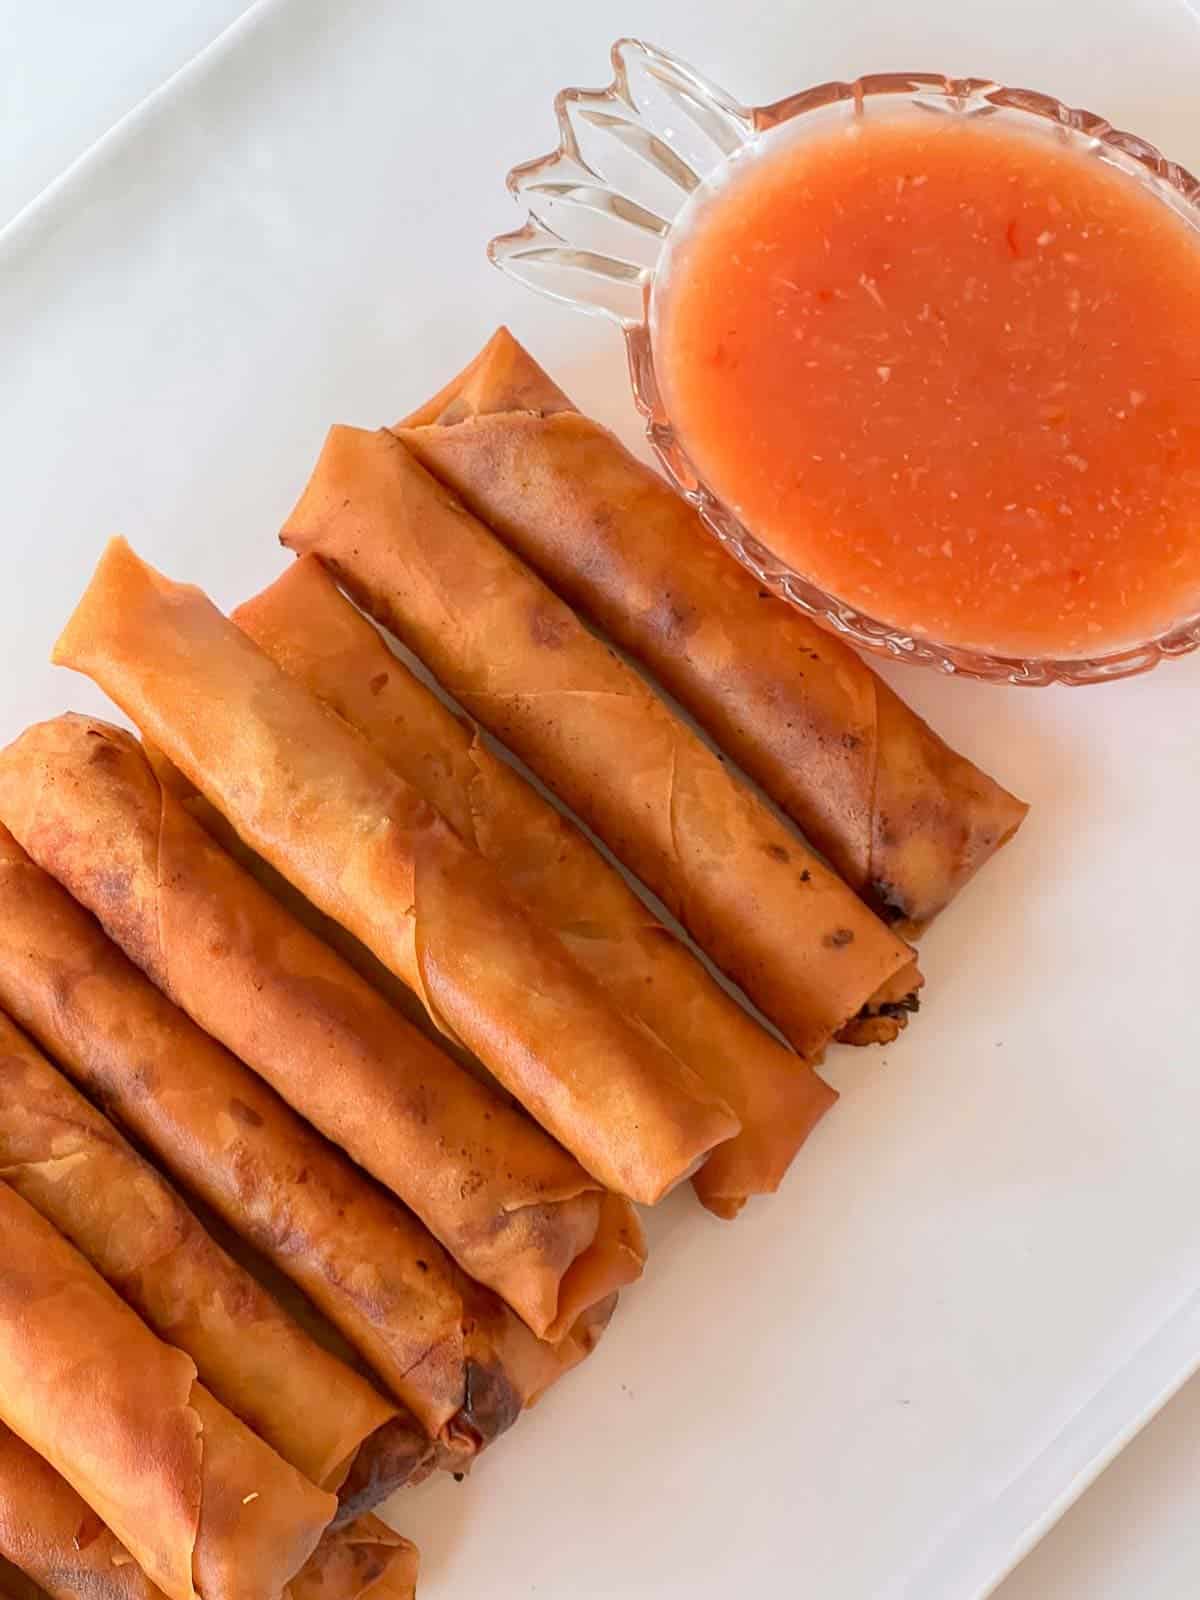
(445, 1346)
(903, 818)
(69, 1162)
(311, 796)
(52, 1543)
(314, 633)
(202, 1504)
(747, 889)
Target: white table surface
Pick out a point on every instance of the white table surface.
(65, 77)
(1135, 1535)
(71, 69)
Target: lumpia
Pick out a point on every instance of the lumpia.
(512, 1207)
(204, 1506)
(796, 939)
(452, 1351)
(55, 1538)
(364, 1557)
(398, 995)
(69, 1162)
(903, 818)
(315, 634)
(57, 1543)
(312, 797)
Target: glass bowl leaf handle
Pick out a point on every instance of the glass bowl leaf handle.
(599, 208)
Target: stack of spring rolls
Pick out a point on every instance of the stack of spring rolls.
(333, 1055)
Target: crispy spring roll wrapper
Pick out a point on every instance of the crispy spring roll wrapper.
(506, 1369)
(204, 1506)
(363, 1557)
(777, 920)
(903, 818)
(511, 1206)
(69, 1162)
(462, 1362)
(55, 1538)
(358, 1255)
(311, 796)
(362, 1104)
(61, 1548)
(397, 1455)
(331, 933)
(314, 633)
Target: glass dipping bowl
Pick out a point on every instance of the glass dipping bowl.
(602, 212)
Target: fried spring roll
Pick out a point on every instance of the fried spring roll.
(399, 1456)
(801, 945)
(364, 1557)
(462, 1362)
(513, 1207)
(69, 1162)
(352, 951)
(478, 1172)
(55, 1538)
(204, 1506)
(309, 794)
(226, 1136)
(315, 634)
(61, 1548)
(397, 993)
(903, 818)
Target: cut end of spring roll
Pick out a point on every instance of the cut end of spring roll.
(314, 633)
(906, 820)
(936, 820)
(312, 797)
(887, 1011)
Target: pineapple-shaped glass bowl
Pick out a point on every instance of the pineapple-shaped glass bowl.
(603, 212)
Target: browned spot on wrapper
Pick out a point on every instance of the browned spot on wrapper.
(547, 628)
(244, 1114)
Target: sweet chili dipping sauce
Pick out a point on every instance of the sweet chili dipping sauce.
(950, 371)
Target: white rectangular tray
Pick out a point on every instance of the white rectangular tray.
(982, 1274)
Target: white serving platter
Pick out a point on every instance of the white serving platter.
(983, 1274)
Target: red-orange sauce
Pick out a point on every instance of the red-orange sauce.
(950, 371)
